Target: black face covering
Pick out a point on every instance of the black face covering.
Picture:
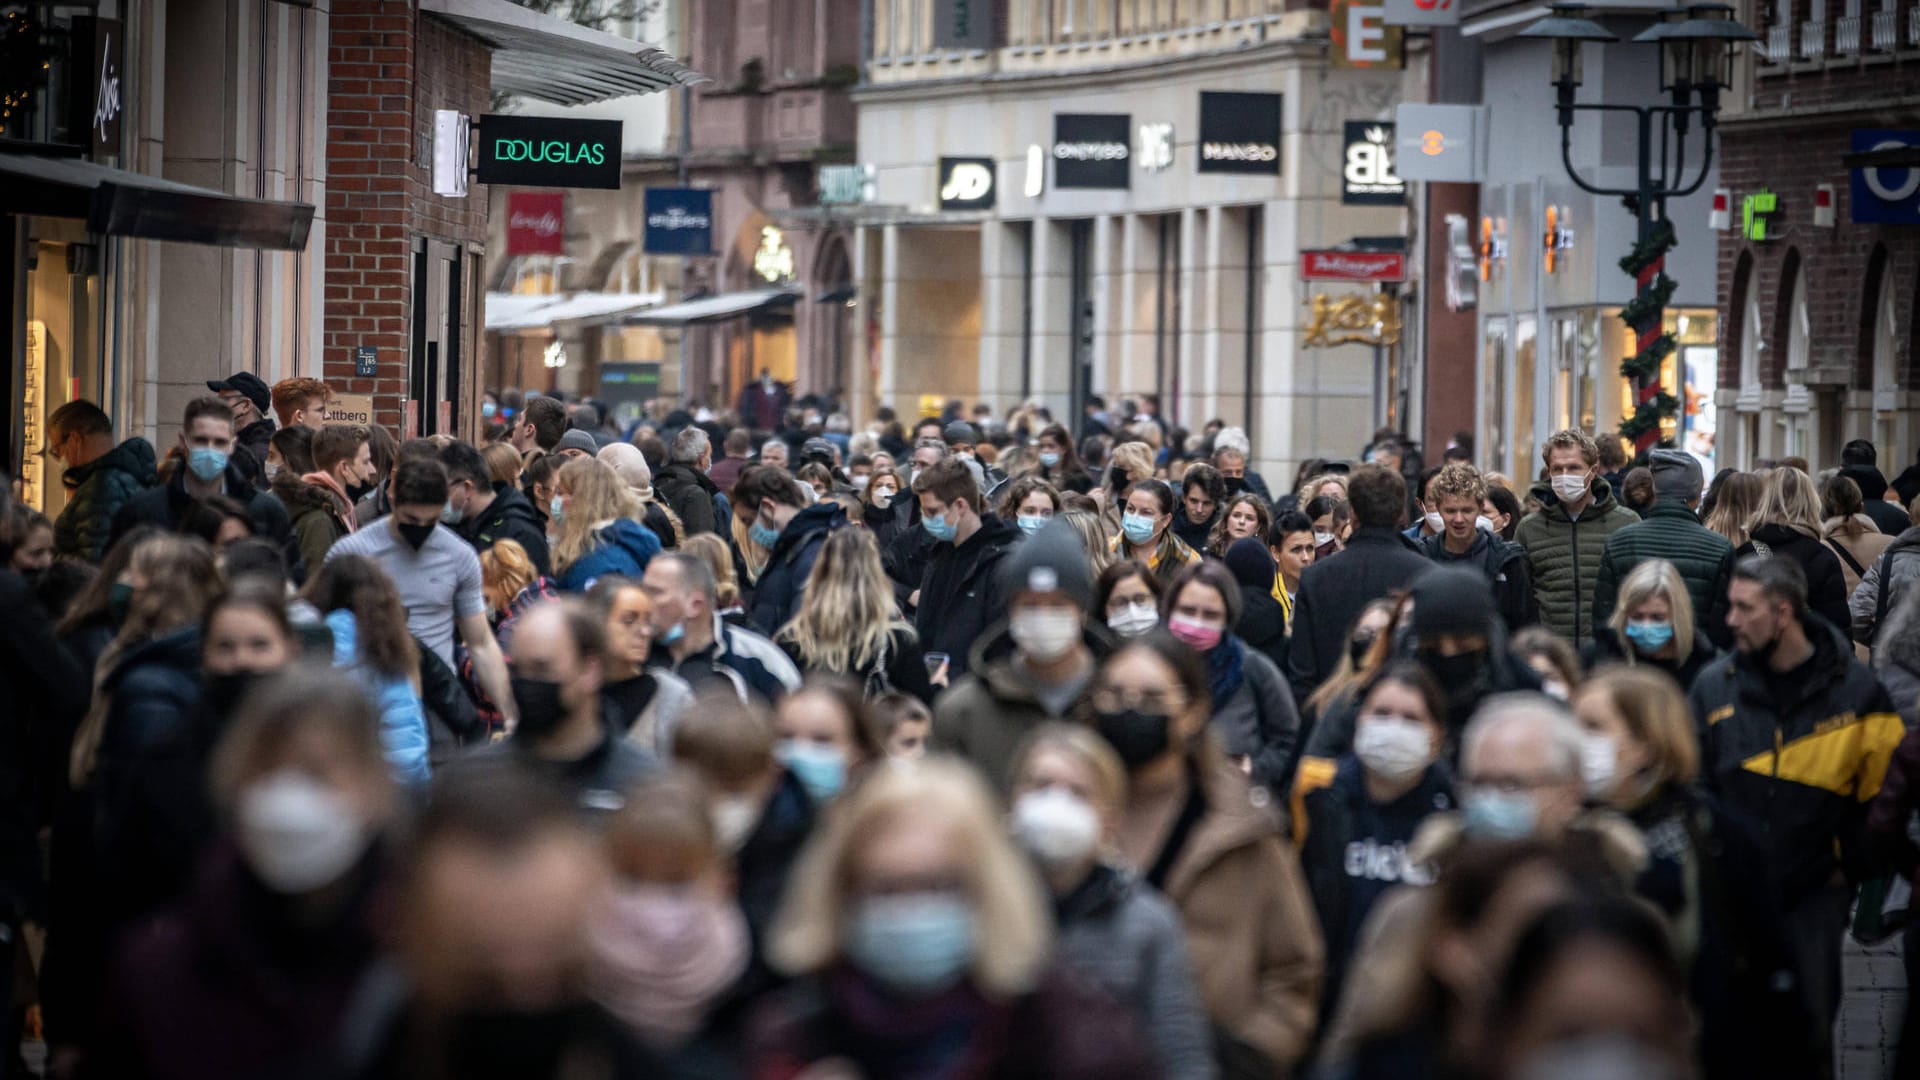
(513, 1042)
(541, 710)
(1358, 647)
(1138, 737)
(356, 492)
(226, 692)
(1236, 485)
(1464, 677)
(416, 535)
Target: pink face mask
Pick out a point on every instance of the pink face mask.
(1194, 632)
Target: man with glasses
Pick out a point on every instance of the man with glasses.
(99, 477)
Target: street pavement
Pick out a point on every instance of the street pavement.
(1870, 1012)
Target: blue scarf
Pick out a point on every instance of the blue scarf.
(1225, 667)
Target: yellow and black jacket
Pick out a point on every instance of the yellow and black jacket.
(1800, 753)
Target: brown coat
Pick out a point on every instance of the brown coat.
(1251, 932)
(1864, 541)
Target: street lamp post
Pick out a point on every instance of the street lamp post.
(1696, 58)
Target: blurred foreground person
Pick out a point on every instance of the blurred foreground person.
(921, 940)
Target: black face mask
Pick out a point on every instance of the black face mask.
(1464, 677)
(415, 535)
(1138, 737)
(226, 692)
(1236, 485)
(356, 492)
(512, 1042)
(541, 709)
(1358, 648)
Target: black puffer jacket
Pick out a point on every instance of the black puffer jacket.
(510, 517)
(961, 595)
(1505, 565)
(1826, 579)
(97, 492)
(776, 596)
(689, 493)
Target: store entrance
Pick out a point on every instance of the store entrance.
(54, 276)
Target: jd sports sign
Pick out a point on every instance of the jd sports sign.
(544, 151)
(1239, 133)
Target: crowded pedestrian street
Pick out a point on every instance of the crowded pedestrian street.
(931, 540)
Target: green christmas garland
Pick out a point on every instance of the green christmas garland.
(1647, 311)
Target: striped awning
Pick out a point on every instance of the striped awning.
(550, 59)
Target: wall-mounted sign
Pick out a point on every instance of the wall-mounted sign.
(1355, 319)
(536, 222)
(1493, 246)
(1755, 211)
(1422, 12)
(963, 24)
(1463, 278)
(1882, 195)
(1035, 184)
(679, 221)
(1239, 133)
(452, 143)
(773, 259)
(1360, 36)
(627, 386)
(966, 183)
(1440, 142)
(1090, 150)
(1366, 175)
(366, 361)
(94, 86)
(1156, 147)
(1555, 237)
(1353, 266)
(547, 151)
(350, 410)
(847, 185)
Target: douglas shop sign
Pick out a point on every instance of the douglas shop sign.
(1239, 133)
(544, 151)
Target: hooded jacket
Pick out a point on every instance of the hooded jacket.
(163, 506)
(1505, 565)
(1564, 553)
(1887, 517)
(776, 596)
(1906, 486)
(961, 595)
(1672, 532)
(689, 493)
(1826, 578)
(1332, 593)
(510, 517)
(1896, 573)
(403, 719)
(98, 491)
(621, 546)
(745, 662)
(256, 439)
(990, 710)
(312, 514)
(1800, 752)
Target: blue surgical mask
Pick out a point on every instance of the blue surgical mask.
(938, 527)
(1138, 528)
(1049, 459)
(1031, 523)
(762, 535)
(450, 515)
(822, 770)
(488, 408)
(674, 633)
(206, 463)
(914, 943)
(558, 513)
(1499, 815)
(1650, 637)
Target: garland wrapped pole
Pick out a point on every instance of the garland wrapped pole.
(1645, 315)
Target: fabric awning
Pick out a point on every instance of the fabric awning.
(513, 311)
(714, 308)
(551, 59)
(120, 202)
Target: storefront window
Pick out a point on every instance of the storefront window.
(1493, 375)
(62, 358)
(1526, 352)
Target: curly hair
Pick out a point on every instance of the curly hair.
(1017, 491)
(1456, 481)
(357, 584)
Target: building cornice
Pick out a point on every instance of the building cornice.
(1894, 112)
(1310, 46)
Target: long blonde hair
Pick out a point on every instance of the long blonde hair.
(1790, 500)
(598, 497)
(1734, 506)
(752, 554)
(182, 579)
(847, 613)
(1095, 536)
(1655, 578)
(715, 552)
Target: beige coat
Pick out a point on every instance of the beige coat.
(1864, 541)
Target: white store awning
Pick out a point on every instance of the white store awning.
(714, 308)
(551, 59)
(514, 311)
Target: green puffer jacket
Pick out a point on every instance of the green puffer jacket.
(1563, 556)
(1670, 531)
(99, 489)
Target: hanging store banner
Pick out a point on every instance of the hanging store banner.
(546, 151)
(1239, 133)
(536, 222)
(963, 24)
(1884, 195)
(1366, 170)
(1440, 142)
(966, 183)
(1090, 150)
(679, 221)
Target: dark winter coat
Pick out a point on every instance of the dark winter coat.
(783, 581)
(1263, 625)
(598, 782)
(765, 862)
(46, 696)
(1505, 565)
(986, 714)
(886, 524)
(1826, 578)
(1889, 518)
(1194, 533)
(906, 556)
(622, 546)
(510, 517)
(1332, 593)
(313, 515)
(1077, 480)
(256, 439)
(163, 506)
(689, 492)
(1563, 556)
(1800, 752)
(1258, 720)
(961, 595)
(1670, 531)
(901, 666)
(1607, 648)
(96, 493)
(1906, 486)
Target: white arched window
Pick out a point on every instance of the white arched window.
(1752, 341)
(1798, 322)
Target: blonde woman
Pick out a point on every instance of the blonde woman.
(1787, 524)
(595, 527)
(503, 464)
(920, 944)
(630, 465)
(1735, 504)
(848, 624)
(719, 558)
(1129, 463)
(1095, 535)
(1653, 625)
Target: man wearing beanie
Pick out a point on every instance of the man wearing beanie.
(961, 438)
(1672, 531)
(1037, 666)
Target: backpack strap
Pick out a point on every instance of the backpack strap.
(1880, 599)
(1759, 546)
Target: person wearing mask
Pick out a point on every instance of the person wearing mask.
(1706, 871)
(1069, 788)
(1671, 531)
(277, 929)
(1056, 462)
(919, 942)
(317, 505)
(1859, 462)
(1567, 537)
(692, 641)
(1252, 712)
(1038, 667)
(1455, 494)
(645, 702)
(1550, 658)
(1201, 493)
(689, 492)
(1207, 840)
(882, 510)
(1424, 514)
(962, 592)
(1334, 590)
(595, 528)
(1127, 598)
(559, 665)
(962, 439)
(374, 501)
(1357, 816)
(793, 534)
(1262, 624)
(1028, 502)
(99, 476)
(824, 737)
(1369, 645)
(907, 556)
(206, 443)
(1501, 508)
(1243, 515)
(31, 537)
(370, 641)
(437, 574)
(847, 624)
(1788, 525)
(1653, 624)
(1146, 531)
(1232, 452)
(484, 512)
(249, 398)
(1796, 734)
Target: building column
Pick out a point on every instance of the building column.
(1135, 321)
(1107, 250)
(889, 283)
(1051, 294)
(1003, 301)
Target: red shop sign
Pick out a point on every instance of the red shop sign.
(536, 223)
(1353, 266)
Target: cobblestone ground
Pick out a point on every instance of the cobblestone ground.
(1871, 1011)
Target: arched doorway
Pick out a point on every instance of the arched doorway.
(1746, 338)
(832, 311)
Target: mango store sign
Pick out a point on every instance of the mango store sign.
(545, 151)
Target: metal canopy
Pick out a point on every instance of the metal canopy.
(550, 59)
(508, 311)
(714, 308)
(119, 202)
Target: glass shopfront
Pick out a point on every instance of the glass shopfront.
(58, 333)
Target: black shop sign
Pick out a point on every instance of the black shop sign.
(1239, 133)
(545, 151)
(1091, 150)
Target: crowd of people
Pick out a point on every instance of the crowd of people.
(751, 744)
